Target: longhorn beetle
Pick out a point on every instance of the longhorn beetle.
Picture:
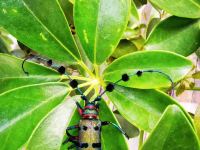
(90, 126)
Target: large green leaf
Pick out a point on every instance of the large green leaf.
(123, 48)
(41, 25)
(180, 35)
(49, 134)
(176, 66)
(12, 75)
(173, 132)
(142, 108)
(109, 131)
(181, 8)
(21, 110)
(67, 8)
(134, 16)
(129, 128)
(100, 25)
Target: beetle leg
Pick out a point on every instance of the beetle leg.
(71, 128)
(72, 146)
(73, 139)
(103, 123)
(80, 109)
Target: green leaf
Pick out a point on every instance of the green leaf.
(12, 75)
(180, 35)
(42, 26)
(74, 120)
(181, 8)
(152, 23)
(109, 131)
(142, 108)
(130, 129)
(176, 66)
(130, 33)
(50, 132)
(100, 25)
(124, 47)
(197, 121)
(67, 8)
(134, 16)
(21, 110)
(173, 132)
(140, 3)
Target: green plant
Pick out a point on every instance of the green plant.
(36, 109)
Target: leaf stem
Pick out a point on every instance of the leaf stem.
(193, 89)
(78, 78)
(141, 138)
(86, 84)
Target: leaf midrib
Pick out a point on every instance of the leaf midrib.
(42, 120)
(54, 37)
(69, 28)
(183, 30)
(198, 6)
(27, 113)
(140, 106)
(129, 70)
(96, 32)
(30, 77)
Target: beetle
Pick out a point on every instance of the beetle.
(90, 126)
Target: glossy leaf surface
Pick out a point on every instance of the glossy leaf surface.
(12, 75)
(109, 132)
(130, 129)
(123, 48)
(181, 8)
(134, 16)
(45, 31)
(100, 25)
(172, 64)
(173, 132)
(67, 8)
(23, 108)
(142, 108)
(50, 132)
(179, 35)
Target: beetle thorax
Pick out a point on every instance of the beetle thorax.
(90, 111)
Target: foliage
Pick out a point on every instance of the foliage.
(109, 40)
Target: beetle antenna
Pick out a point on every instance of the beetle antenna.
(125, 77)
(23, 66)
(61, 69)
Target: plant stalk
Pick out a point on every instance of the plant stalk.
(141, 138)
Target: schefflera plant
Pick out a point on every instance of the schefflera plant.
(36, 109)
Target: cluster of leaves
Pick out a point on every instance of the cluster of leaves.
(36, 109)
